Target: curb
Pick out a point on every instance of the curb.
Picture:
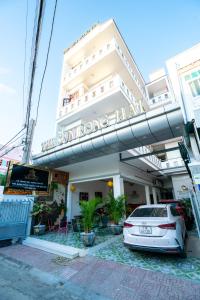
(51, 279)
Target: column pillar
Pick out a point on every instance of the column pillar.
(147, 193)
(69, 203)
(118, 186)
(154, 195)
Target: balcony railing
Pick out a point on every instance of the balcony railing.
(99, 54)
(173, 163)
(90, 60)
(100, 91)
(159, 99)
(152, 158)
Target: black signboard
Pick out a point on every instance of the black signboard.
(27, 178)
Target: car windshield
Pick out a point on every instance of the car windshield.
(150, 212)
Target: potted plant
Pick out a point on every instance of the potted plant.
(40, 210)
(88, 209)
(116, 210)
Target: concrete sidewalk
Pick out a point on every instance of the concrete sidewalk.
(105, 278)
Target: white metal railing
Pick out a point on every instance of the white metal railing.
(90, 60)
(172, 163)
(152, 158)
(94, 57)
(158, 99)
(99, 91)
(131, 72)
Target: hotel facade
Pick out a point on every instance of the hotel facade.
(113, 128)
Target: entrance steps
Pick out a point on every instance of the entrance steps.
(55, 248)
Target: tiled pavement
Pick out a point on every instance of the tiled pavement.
(114, 250)
(108, 278)
(73, 238)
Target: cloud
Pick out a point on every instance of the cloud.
(5, 89)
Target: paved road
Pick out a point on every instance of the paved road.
(28, 274)
(21, 282)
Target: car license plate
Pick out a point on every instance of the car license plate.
(145, 230)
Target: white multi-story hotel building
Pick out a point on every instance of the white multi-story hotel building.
(112, 126)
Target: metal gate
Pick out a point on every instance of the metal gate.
(15, 218)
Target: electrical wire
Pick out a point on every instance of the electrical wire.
(2, 155)
(47, 58)
(36, 38)
(25, 46)
(12, 139)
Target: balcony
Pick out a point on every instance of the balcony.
(152, 158)
(107, 96)
(160, 100)
(173, 163)
(76, 75)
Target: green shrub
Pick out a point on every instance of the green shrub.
(116, 207)
(88, 209)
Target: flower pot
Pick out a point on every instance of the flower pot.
(88, 238)
(39, 229)
(116, 229)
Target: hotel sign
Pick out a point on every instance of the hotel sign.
(117, 116)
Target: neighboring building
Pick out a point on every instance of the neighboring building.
(109, 121)
(184, 72)
(5, 158)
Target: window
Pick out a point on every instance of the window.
(195, 87)
(83, 196)
(154, 212)
(98, 195)
(166, 96)
(93, 94)
(193, 80)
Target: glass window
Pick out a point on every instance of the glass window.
(187, 77)
(155, 212)
(195, 87)
(195, 74)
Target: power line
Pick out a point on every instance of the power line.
(33, 64)
(25, 46)
(2, 155)
(47, 58)
(34, 53)
(12, 139)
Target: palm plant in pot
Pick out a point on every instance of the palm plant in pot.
(40, 210)
(116, 210)
(88, 209)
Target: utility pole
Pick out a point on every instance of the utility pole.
(30, 124)
(29, 141)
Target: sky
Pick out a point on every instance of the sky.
(154, 31)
